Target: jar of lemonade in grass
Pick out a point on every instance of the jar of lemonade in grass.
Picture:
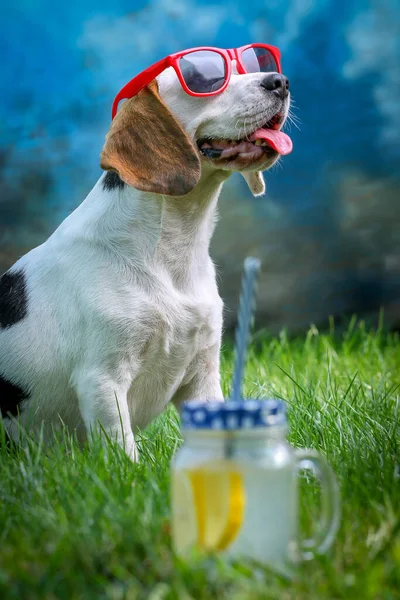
(235, 485)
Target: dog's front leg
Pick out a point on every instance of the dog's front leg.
(104, 406)
(203, 379)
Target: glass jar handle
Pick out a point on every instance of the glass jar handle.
(330, 500)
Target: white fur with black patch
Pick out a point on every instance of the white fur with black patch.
(123, 311)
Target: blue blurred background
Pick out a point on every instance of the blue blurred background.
(328, 231)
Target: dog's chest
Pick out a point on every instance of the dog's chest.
(179, 331)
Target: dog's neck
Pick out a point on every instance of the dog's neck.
(186, 227)
(143, 228)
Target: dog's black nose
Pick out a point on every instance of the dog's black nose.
(277, 83)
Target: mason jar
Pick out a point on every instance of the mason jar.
(235, 486)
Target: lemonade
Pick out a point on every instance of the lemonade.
(235, 486)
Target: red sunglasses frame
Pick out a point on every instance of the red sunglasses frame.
(145, 77)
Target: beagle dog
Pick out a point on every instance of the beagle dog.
(118, 312)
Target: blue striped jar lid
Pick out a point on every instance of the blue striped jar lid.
(233, 415)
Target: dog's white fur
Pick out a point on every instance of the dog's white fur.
(124, 313)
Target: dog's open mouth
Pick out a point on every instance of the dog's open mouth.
(268, 140)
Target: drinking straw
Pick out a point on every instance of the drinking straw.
(247, 305)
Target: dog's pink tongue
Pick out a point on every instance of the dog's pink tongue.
(279, 141)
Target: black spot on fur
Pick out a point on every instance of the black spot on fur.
(13, 298)
(10, 397)
(112, 181)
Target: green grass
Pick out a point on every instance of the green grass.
(85, 523)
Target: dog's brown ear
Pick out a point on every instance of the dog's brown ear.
(149, 149)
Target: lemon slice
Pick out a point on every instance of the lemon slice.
(214, 511)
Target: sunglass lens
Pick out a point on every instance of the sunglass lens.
(204, 71)
(257, 59)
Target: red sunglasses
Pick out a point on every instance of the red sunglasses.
(206, 71)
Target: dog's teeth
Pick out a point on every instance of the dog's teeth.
(264, 143)
(258, 143)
